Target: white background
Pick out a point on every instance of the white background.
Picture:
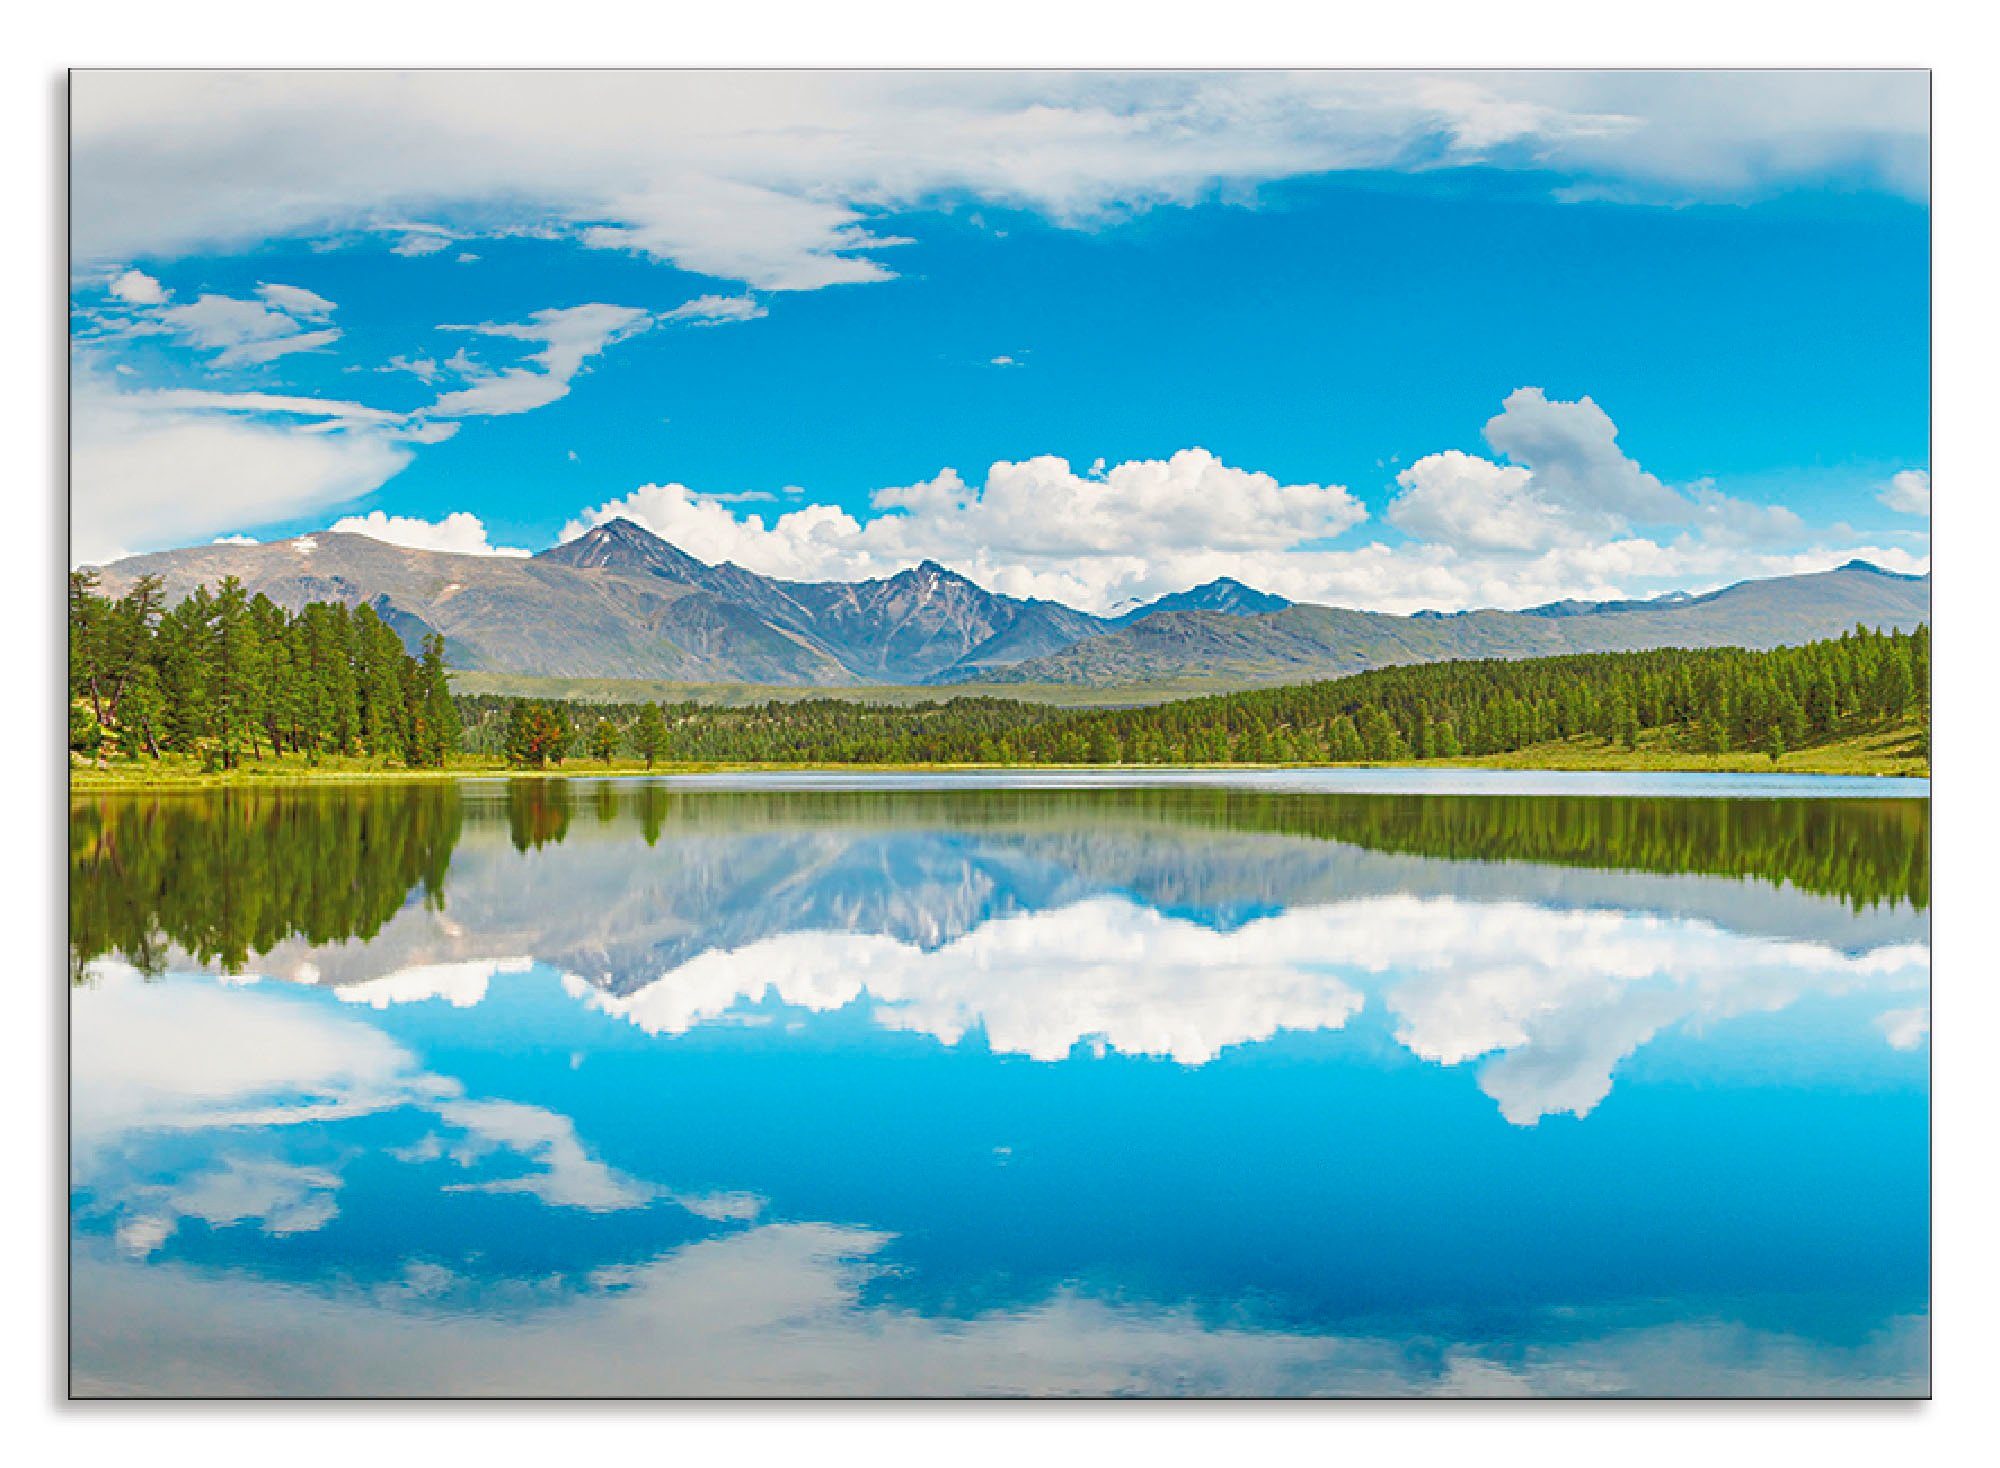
(42, 40)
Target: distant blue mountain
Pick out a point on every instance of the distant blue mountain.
(1223, 594)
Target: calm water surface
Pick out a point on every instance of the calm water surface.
(816, 1086)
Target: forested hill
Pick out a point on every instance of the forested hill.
(235, 678)
(1302, 642)
(1697, 701)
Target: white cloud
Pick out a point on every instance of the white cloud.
(1463, 500)
(332, 410)
(250, 353)
(1107, 970)
(1909, 492)
(565, 1174)
(780, 180)
(1487, 535)
(174, 468)
(1572, 450)
(234, 540)
(1033, 528)
(192, 1056)
(1905, 1029)
(569, 336)
(424, 369)
(1553, 1000)
(286, 1198)
(782, 1309)
(1568, 482)
(136, 288)
(462, 985)
(296, 300)
(1722, 520)
(1570, 499)
(243, 332)
(715, 310)
(460, 532)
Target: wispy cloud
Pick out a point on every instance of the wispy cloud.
(716, 310)
(784, 181)
(568, 338)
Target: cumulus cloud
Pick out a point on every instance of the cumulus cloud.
(1568, 490)
(1568, 482)
(136, 288)
(781, 180)
(1036, 527)
(1107, 970)
(1552, 1001)
(1572, 450)
(716, 310)
(569, 336)
(1909, 492)
(460, 532)
(1463, 500)
(1485, 533)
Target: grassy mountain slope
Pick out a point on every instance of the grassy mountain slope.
(1308, 642)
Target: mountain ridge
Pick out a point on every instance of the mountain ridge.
(621, 602)
(1307, 642)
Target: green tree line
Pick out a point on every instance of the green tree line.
(1704, 701)
(226, 677)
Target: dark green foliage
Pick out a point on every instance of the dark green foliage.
(230, 873)
(649, 733)
(537, 732)
(229, 678)
(1708, 700)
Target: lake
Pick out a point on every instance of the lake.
(1378, 1084)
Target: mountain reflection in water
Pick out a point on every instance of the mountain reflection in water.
(621, 1087)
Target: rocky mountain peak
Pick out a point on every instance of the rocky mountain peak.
(624, 545)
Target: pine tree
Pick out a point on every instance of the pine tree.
(535, 733)
(649, 733)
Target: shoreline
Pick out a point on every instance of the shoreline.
(84, 780)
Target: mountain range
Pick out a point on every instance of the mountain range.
(620, 602)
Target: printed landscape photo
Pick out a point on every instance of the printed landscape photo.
(994, 733)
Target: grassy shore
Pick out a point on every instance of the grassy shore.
(1896, 750)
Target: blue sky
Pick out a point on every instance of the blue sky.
(1385, 340)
